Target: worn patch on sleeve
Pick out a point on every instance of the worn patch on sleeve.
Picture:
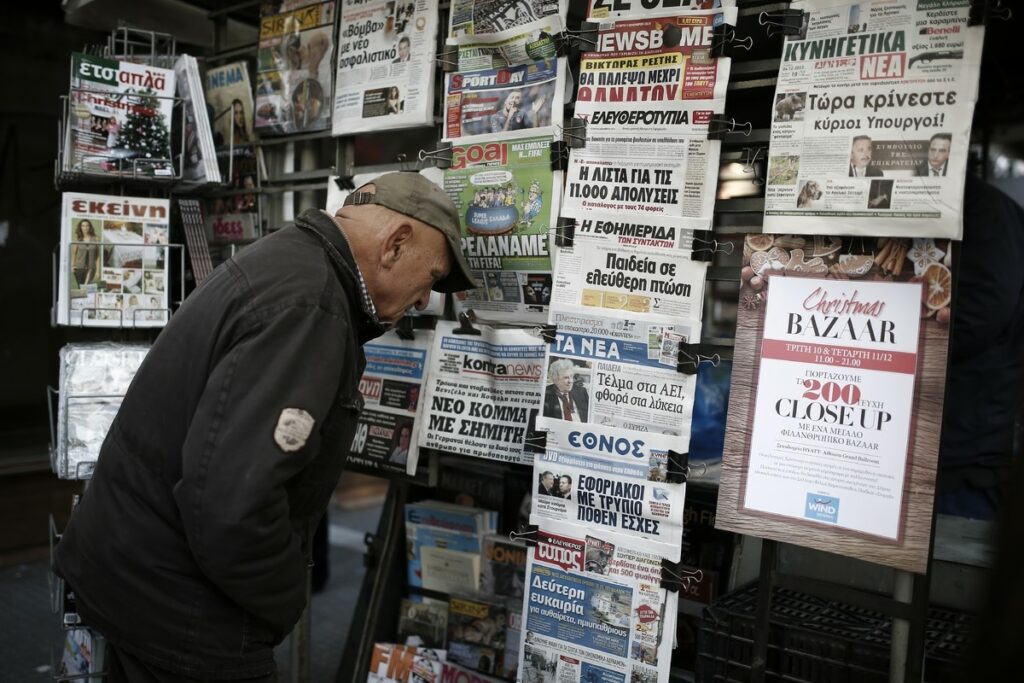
(293, 429)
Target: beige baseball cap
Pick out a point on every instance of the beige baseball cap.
(413, 195)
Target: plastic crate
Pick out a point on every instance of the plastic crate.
(815, 640)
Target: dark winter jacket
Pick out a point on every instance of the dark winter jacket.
(191, 544)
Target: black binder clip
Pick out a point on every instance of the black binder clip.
(442, 156)
(528, 534)
(788, 22)
(536, 442)
(750, 158)
(559, 156)
(707, 253)
(575, 134)
(448, 58)
(982, 10)
(404, 329)
(674, 577)
(345, 182)
(724, 41)
(719, 127)
(678, 470)
(548, 333)
(465, 325)
(690, 357)
(565, 231)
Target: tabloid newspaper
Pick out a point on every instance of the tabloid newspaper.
(619, 372)
(512, 47)
(507, 197)
(483, 392)
(594, 611)
(293, 80)
(113, 261)
(614, 9)
(519, 101)
(872, 118)
(385, 76)
(200, 162)
(635, 281)
(119, 118)
(391, 663)
(387, 436)
(487, 17)
(654, 76)
(613, 483)
(634, 176)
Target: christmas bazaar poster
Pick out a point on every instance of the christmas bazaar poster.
(835, 412)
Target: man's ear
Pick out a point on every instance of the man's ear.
(397, 242)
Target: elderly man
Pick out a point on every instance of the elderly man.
(861, 153)
(562, 399)
(190, 549)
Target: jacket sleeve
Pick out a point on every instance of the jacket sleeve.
(238, 456)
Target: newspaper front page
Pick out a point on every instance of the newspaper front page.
(594, 611)
(511, 47)
(387, 436)
(519, 101)
(654, 76)
(483, 392)
(385, 69)
(619, 372)
(507, 197)
(648, 231)
(633, 281)
(872, 118)
(635, 176)
(486, 17)
(113, 261)
(616, 9)
(611, 482)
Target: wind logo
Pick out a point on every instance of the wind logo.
(822, 508)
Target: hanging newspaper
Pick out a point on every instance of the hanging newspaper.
(648, 231)
(654, 76)
(614, 483)
(616, 9)
(293, 81)
(872, 120)
(199, 162)
(635, 176)
(517, 101)
(515, 46)
(507, 197)
(591, 276)
(474, 18)
(620, 373)
(482, 392)
(385, 76)
(594, 611)
(386, 438)
(113, 261)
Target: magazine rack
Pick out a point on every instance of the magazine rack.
(117, 315)
(112, 167)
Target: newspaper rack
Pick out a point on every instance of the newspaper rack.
(59, 447)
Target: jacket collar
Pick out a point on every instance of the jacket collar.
(319, 224)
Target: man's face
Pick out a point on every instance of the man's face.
(563, 485)
(513, 100)
(860, 155)
(403, 439)
(403, 50)
(564, 382)
(423, 260)
(938, 152)
(549, 480)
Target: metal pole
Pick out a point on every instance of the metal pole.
(903, 591)
(762, 625)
